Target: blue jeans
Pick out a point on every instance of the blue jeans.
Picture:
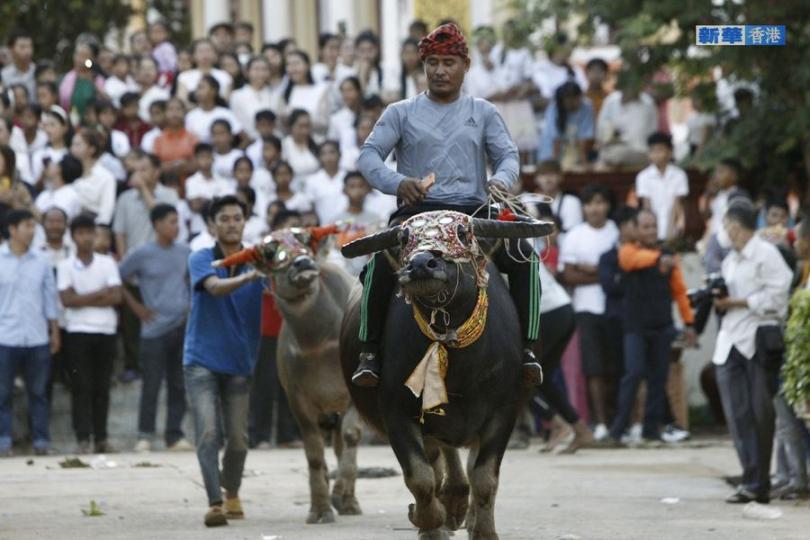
(646, 355)
(217, 399)
(36, 369)
(162, 357)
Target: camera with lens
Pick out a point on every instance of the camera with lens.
(702, 299)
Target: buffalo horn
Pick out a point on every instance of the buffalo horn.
(372, 243)
(490, 228)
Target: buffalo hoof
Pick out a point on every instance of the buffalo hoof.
(434, 534)
(346, 505)
(429, 518)
(320, 518)
(456, 502)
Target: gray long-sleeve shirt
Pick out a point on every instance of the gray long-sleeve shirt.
(453, 140)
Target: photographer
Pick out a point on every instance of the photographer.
(749, 348)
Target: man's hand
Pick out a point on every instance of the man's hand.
(411, 191)
(588, 268)
(666, 263)
(726, 304)
(143, 313)
(496, 186)
(55, 342)
(691, 337)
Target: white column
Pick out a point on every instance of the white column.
(480, 13)
(334, 12)
(389, 32)
(215, 11)
(276, 19)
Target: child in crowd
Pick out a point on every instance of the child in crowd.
(225, 155)
(204, 185)
(325, 187)
(662, 186)
(120, 81)
(157, 118)
(246, 176)
(255, 226)
(266, 127)
(579, 255)
(283, 176)
(130, 123)
(563, 206)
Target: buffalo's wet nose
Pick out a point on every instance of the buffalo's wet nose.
(303, 263)
(422, 265)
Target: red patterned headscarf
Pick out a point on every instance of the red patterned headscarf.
(446, 39)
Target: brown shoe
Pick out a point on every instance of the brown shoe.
(233, 508)
(215, 517)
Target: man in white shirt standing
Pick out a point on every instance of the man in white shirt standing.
(90, 288)
(747, 355)
(580, 253)
(662, 187)
(626, 119)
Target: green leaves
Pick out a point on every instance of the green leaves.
(796, 369)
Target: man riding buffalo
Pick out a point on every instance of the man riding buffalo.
(452, 136)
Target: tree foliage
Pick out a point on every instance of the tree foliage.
(55, 24)
(773, 142)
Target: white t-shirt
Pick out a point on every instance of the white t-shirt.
(200, 187)
(247, 101)
(65, 198)
(148, 141)
(102, 272)
(549, 76)
(96, 191)
(554, 295)
(662, 190)
(299, 201)
(255, 230)
(223, 163)
(38, 159)
(313, 98)
(191, 78)
(480, 81)
(154, 93)
(301, 159)
(115, 88)
(635, 121)
(325, 192)
(199, 122)
(339, 123)
(697, 124)
(584, 245)
(202, 241)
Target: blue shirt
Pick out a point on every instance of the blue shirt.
(578, 125)
(162, 279)
(27, 298)
(223, 332)
(453, 140)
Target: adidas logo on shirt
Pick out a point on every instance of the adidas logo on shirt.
(471, 122)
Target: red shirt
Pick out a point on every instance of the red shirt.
(271, 318)
(135, 132)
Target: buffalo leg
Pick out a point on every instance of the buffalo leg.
(427, 513)
(484, 469)
(455, 490)
(320, 511)
(343, 498)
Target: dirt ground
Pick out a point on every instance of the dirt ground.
(596, 494)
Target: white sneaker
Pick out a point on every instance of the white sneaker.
(182, 445)
(143, 446)
(674, 434)
(633, 435)
(600, 432)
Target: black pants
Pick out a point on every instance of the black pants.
(524, 283)
(267, 395)
(558, 326)
(747, 390)
(91, 359)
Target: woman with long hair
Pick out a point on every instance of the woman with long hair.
(410, 70)
(254, 96)
(205, 57)
(57, 127)
(210, 107)
(96, 187)
(299, 148)
(302, 92)
(367, 63)
(568, 130)
(341, 123)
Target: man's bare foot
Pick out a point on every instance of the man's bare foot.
(559, 432)
(582, 437)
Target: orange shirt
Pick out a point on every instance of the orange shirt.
(175, 145)
(634, 257)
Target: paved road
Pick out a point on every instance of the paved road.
(597, 494)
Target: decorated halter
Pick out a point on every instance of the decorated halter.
(280, 248)
(449, 234)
